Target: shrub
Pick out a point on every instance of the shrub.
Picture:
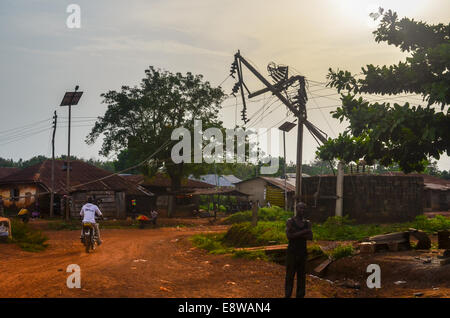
(27, 238)
(341, 251)
(245, 235)
(273, 213)
(210, 242)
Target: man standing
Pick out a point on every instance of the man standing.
(298, 231)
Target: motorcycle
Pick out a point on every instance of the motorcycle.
(89, 238)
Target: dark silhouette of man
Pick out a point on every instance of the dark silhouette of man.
(298, 231)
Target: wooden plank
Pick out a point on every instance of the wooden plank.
(263, 248)
(323, 265)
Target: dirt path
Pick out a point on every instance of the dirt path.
(145, 263)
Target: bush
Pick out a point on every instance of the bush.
(341, 251)
(27, 238)
(273, 213)
(245, 235)
(438, 223)
(210, 242)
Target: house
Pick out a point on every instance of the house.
(30, 188)
(160, 186)
(264, 189)
(218, 180)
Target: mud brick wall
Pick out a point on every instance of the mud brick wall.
(367, 198)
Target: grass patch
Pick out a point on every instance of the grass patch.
(341, 251)
(28, 238)
(253, 255)
(344, 229)
(210, 242)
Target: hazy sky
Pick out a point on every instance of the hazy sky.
(41, 58)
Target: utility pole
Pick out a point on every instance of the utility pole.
(340, 189)
(70, 99)
(52, 190)
(297, 104)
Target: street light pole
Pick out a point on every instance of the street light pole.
(70, 99)
(285, 127)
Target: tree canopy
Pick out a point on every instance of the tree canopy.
(406, 134)
(140, 119)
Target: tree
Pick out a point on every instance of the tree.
(141, 119)
(400, 133)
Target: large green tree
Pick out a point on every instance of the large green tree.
(140, 119)
(394, 133)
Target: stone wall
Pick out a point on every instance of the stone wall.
(367, 198)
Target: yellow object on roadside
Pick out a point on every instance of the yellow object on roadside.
(22, 212)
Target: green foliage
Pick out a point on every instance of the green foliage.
(210, 242)
(273, 213)
(27, 238)
(341, 251)
(245, 235)
(396, 133)
(431, 225)
(253, 255)
(222, 208)
(141, 119)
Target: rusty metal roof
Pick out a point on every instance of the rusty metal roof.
(6, 171)
(162, 180)
(81, 173)
(220, 190)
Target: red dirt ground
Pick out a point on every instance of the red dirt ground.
(162, 263)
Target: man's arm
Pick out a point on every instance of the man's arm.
(291, 233)
(98, 212)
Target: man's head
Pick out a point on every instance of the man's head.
(300, 209)
(90, 200)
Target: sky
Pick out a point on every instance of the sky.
(41, 58)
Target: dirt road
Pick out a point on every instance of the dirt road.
(135, 263)
(148, 263)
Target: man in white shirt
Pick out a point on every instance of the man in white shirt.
(88, 213)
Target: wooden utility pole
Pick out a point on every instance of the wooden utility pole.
(298, 174)
(339, 189)
(52, 190)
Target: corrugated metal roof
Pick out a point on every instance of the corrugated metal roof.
(278, 182)
(217, 180)
(80, 173)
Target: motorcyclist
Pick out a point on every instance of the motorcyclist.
(88, 213)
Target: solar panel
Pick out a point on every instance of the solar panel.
(71, 98)
(287, 126)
